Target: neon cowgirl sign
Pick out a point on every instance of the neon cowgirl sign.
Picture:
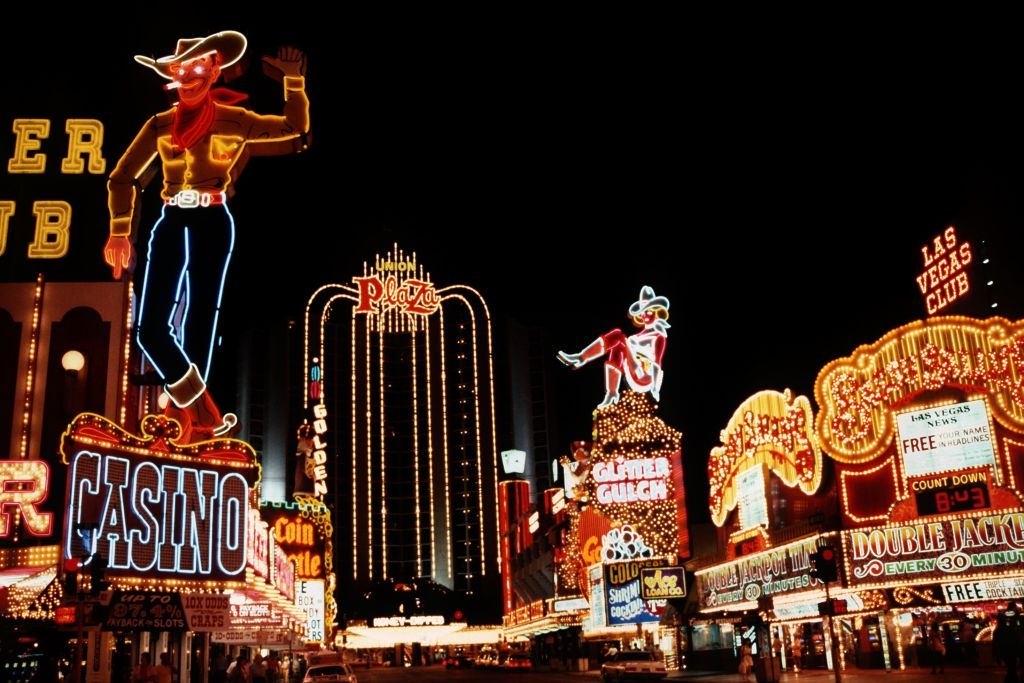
(158, 509)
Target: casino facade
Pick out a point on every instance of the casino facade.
(400, 399)
(917, 489)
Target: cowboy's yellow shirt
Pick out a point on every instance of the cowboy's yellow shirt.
(212, 162)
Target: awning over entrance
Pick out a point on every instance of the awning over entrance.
(364, 637)
(28, 592)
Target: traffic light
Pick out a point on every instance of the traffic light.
(823, 564)
(97, 568)
(69, 585)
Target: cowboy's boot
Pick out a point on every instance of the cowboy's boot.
(189, 395)
(594, 350)
(657, 375)
(208, 420)
(182, 418)
(612, 375)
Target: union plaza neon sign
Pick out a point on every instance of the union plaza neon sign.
(157, 509)
(410, 295)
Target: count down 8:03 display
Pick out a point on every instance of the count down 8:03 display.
(968, 496)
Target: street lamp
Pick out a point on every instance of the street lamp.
(73, 362)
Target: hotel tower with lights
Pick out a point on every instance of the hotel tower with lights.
(402, 446)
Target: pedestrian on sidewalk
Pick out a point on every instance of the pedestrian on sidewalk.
(1006, 641)
(796, 652)
(937, 649)
(746, 661)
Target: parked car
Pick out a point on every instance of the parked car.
(518, 661)
(637, 665)
(458, 662)
(486, 660)
(329, 673)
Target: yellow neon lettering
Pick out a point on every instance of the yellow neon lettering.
(23, 484)
(28, 133)
(6, 211)
(53, 225)
(85, 137)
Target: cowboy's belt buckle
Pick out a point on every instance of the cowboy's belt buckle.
(189, 199)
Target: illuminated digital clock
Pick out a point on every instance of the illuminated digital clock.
(953, 498)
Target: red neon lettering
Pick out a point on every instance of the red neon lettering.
(370, 291)
(943, 281)
(409, 296)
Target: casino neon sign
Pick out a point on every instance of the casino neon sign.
(155, 508)
(161, 517)
(944, 278)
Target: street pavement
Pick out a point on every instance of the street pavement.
(909, 675)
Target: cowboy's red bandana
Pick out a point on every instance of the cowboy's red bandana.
(192, 124)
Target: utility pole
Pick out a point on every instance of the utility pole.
(80, 623)
(825, 569)
(836, 668)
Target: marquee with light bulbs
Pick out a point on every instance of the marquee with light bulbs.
(926, 427)
(162, 516)
(770, 437)
(771, 431)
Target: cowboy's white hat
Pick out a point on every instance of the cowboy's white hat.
(230, 45)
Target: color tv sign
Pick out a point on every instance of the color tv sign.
(151, 508)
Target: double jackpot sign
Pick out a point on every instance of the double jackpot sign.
(153, 509)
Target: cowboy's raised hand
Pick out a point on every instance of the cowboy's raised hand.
(290, 61)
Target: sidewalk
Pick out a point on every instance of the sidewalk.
(910, 675)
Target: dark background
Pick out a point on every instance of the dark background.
(777, 188)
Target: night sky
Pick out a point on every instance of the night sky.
(777, 192)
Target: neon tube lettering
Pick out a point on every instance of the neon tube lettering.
(179, 520)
